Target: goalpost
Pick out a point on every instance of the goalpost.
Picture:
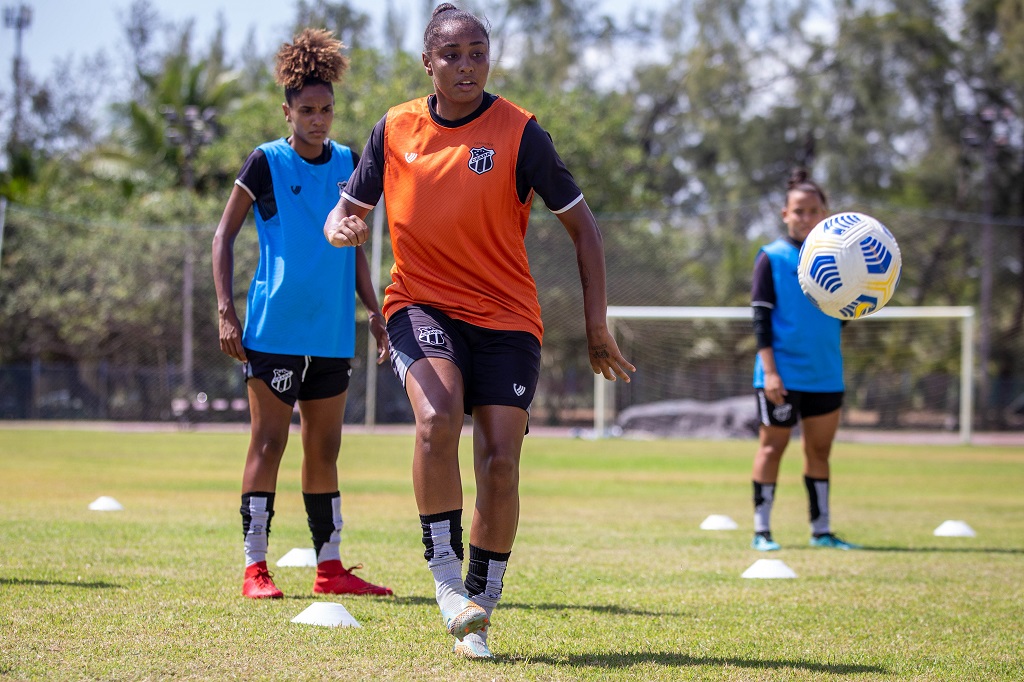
(906, 367)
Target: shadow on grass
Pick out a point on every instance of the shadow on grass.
(62, 583)
(674, 659)
(612, 609)
(925, 550)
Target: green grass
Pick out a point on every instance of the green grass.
(611, 577)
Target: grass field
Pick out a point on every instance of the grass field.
(611, 577)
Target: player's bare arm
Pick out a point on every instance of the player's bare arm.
(230, 328)
(345, 226)
(367, 293)
(605, 357)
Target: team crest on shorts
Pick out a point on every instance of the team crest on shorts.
(282, 380)
(432, 336)
(481, 160)
(782, 412)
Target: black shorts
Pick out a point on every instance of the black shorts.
(499, 367)
(298, 377)
(799, 404)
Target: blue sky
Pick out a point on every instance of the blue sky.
(80, 28)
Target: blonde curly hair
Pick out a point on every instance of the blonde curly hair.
(314, 57)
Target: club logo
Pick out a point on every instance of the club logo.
(341, 186)
(782, 412)
(410, 157)
(481, 160)
(282, 380)
(296, 189)
(432, 336)
(520, 390)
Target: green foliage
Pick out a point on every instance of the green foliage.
(681, 133)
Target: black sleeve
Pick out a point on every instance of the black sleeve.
(366, 185)
(762, 298)
(255, 179)
(538, 167)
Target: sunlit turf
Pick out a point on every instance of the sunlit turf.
(611, 577)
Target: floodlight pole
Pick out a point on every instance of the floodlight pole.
(987, 130)
(370, 418)
(189, 129)
(19, 18)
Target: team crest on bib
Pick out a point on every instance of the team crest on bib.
(481, 160)
(282, 380)
(432, 336)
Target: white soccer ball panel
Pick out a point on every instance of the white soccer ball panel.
(849, 265)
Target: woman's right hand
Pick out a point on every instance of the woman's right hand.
(231, 336)
(345, 230)
(774, 389)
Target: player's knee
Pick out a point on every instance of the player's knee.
(498, 471)
(435, 422)
(269, 448)
(771, 453)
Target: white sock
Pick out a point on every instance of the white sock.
(256, 530)
(764, 496)
(449, 590)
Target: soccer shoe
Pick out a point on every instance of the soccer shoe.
(258, 583)
(831, 540)
(473, 646)
(763, 542)
(471, 618)
(333, 578)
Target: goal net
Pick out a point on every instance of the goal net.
(906, 368)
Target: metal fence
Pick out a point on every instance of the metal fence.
(94, 323)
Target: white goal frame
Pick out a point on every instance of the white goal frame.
(604, 407)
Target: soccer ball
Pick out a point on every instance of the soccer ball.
(849, 265)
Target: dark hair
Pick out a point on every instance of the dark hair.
(800, 182)
(314, 58)
(446, 14)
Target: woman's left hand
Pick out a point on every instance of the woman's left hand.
(605, 357)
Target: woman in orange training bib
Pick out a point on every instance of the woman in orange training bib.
(458, 170)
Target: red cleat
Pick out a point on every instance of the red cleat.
(333, 578)
(258, 583)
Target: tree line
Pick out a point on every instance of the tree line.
(681, 124)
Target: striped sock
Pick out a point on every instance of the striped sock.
(764, 497)
(257, 510)
(442, 538)
(485, 579)
(323, 512)
(817, 502)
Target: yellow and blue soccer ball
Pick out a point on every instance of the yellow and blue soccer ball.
(849, 265)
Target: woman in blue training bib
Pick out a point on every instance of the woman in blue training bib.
(798, 371)
(299, 332)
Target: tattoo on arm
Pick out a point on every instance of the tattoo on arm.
(584, 273)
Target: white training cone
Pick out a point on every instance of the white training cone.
(718, 522)
(955, 529)
(327, 614)
(299, 556)
(104, 503)
(769, 568)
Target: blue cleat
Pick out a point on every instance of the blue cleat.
(763, 542)
(474, 646)
(832, 540)
(471, 618)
